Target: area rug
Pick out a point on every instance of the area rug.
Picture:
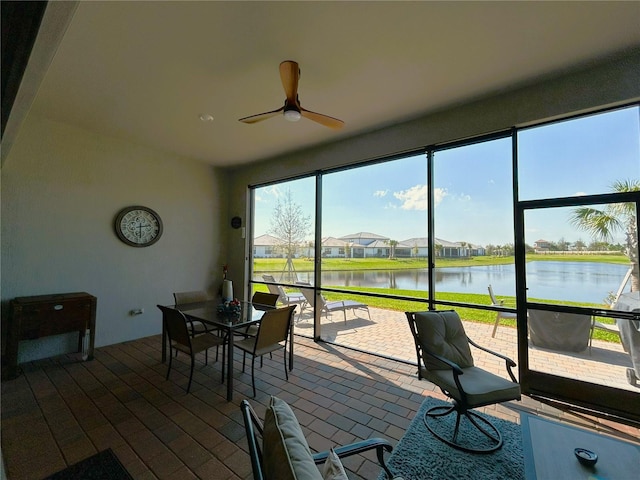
(101, 466)
(419, 455)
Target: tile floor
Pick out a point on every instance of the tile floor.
(61, 410)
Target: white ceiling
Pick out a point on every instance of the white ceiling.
(145, 71)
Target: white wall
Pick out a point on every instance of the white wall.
(608, 83)
(61, 189)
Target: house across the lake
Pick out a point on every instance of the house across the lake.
(367, 245)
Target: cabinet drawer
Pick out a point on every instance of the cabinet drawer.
(53, 318)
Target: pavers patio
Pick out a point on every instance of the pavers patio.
(388, 334)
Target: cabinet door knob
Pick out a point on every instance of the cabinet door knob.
(58, 307)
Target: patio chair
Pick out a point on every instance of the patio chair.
(178, 331)
(287, 298)
(442, 346)
(332, 306)
(499, 315)
(195, 296)
(260, 301)
(273, 334)
(278, 448)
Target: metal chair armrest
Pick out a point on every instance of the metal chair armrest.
(379, 444)
(509, 363)
(454, 366)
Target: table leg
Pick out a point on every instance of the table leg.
(164, 344)
(230, 365)
(291, 348)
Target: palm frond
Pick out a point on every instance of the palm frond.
(598, 223)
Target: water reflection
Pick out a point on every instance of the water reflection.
(570, 281)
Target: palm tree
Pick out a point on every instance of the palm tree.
(392, 250)
(602, 224)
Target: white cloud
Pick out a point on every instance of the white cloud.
(579, 194)
(413, 199)
(439, 194)
(380, 193)
(390, 206)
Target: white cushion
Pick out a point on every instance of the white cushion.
(333, 469)
(286, 453)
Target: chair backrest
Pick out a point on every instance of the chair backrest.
(175, 324)
(253, 428)
(191, 297)
(440, 333)
(309, 294)
(263, 298)
(493, 297)
(274, 327)
(275, 289)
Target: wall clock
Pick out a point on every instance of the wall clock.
(138, 226)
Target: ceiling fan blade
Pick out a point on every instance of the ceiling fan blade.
(325, 120)
(290, 75)
(261, 116)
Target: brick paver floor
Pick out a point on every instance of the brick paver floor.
(388, 334)
(62, 410)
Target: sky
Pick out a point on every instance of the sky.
(473, 192)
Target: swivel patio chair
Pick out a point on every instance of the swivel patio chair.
(278, 448)
(328, 307)
(273, 334)
(178, 326)
(442, 346)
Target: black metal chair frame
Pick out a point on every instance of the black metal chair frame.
(459, 406)
(254, 428)
(186, 341)
(253, 345)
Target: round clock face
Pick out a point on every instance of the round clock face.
(138, 226)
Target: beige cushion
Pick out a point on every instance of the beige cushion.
(286, 454)
(442, 333)
(480, 386)
(333, 469)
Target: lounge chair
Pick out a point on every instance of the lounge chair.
(499, 314)
(333, 306)
(287, 298)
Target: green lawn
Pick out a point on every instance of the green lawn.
(470, 314)
(275, 265)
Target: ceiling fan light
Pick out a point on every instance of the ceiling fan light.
(292, 115)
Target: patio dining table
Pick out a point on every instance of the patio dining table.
(230, 322)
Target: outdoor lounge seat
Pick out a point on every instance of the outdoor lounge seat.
(442, 346)
(332, 306)
(287, 298)
(499, 315)
(279, 450)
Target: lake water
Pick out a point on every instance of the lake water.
(569, 281)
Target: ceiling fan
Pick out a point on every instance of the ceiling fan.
(292, 111)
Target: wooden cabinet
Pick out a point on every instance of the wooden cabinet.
(45, 315)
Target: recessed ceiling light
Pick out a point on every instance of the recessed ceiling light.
(205, 117)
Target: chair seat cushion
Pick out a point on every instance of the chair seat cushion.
(344, 305)
(481, 387)
(286, 453)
